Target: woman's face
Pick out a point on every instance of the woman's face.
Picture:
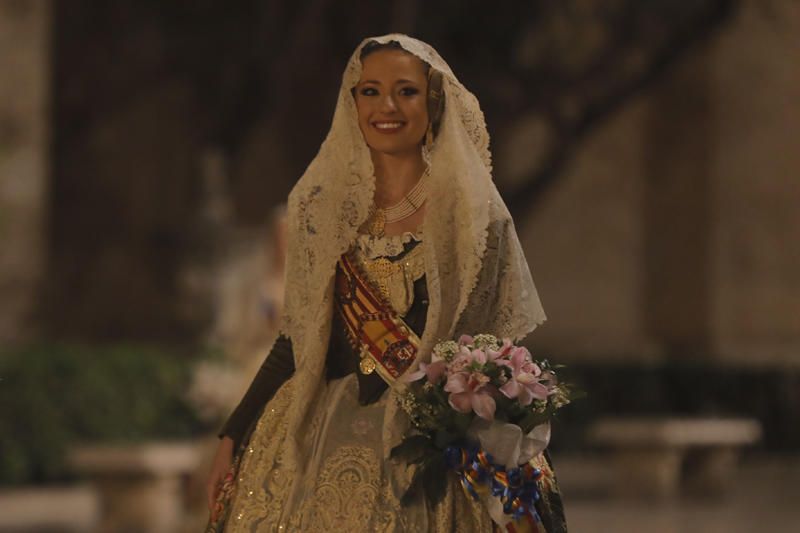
(391, 99)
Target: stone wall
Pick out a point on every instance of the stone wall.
(756, 171)
(675, 232)
(584, 245)
(24, 138)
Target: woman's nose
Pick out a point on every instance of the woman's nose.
(388, 104)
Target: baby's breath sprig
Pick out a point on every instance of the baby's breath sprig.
(446, 350)
(485, 340)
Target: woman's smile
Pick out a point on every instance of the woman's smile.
(393, 126)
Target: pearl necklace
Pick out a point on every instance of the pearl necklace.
(403, 209)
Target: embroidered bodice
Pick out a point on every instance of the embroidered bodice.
(392, 264)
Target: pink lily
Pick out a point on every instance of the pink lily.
(498, 356)
(491, 355)
(479, 356)
(468, 392)
(433, 371)
(525, 382)
(461, 361)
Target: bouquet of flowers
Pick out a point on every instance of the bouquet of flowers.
(481, 408)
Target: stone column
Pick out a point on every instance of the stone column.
(678, 207)
(756, 166)
(24, 139)
(584, 244)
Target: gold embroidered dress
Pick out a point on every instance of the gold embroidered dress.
(318, 457)
(352, 491)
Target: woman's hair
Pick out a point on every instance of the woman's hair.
(435, 92)
(371, 47)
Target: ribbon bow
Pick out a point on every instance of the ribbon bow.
(516, 488)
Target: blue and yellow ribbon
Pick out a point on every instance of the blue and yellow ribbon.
(517, 488)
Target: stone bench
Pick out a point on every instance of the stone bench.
(66, 509)
(659, 456)
(140, 487)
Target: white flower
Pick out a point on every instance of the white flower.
(484, 340)
(445, 350)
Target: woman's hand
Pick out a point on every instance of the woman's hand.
(219, 469)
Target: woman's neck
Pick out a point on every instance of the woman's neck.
(395, 176)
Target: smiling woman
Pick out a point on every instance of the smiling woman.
(395, 232)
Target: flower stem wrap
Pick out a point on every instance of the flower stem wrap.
(515, 489)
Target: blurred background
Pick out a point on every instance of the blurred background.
(648, 151)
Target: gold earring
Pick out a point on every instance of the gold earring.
(429, 136)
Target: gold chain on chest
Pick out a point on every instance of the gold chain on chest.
(382, 270)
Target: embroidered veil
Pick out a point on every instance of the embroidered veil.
(477, 276)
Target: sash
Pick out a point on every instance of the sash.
(382, 339)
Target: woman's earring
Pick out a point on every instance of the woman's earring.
(429, 136)
(427, 146)
(435, 107)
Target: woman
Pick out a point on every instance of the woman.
(399, 195)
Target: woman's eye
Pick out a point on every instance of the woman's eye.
(409, 91)
(369, 91)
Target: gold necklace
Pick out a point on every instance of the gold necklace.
(403, 209)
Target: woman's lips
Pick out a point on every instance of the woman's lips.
(388, 126)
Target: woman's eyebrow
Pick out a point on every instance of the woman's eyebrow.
(376, 82)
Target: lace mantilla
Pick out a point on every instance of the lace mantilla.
(476, 274)
(373, 247)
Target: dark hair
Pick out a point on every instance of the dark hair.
(370, 47)
(435, 94)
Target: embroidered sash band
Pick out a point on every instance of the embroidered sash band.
(382, 339)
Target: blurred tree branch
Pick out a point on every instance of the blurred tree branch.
(572, 63)
(144, 90)
(620, 49)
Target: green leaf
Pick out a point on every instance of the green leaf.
(575, 394)
(413, 487)
(412, 449)
(434, 479)
(532, 420)
(443, 438)
(462, 421)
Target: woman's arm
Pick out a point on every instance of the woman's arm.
(276, 369)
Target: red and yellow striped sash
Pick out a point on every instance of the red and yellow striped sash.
(382, 339)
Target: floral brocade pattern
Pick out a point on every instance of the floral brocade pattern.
(262, 483)
(347, 483)
(348, 494)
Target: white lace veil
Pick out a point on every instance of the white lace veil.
(477, 277)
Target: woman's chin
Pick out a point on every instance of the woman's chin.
(395, 149)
